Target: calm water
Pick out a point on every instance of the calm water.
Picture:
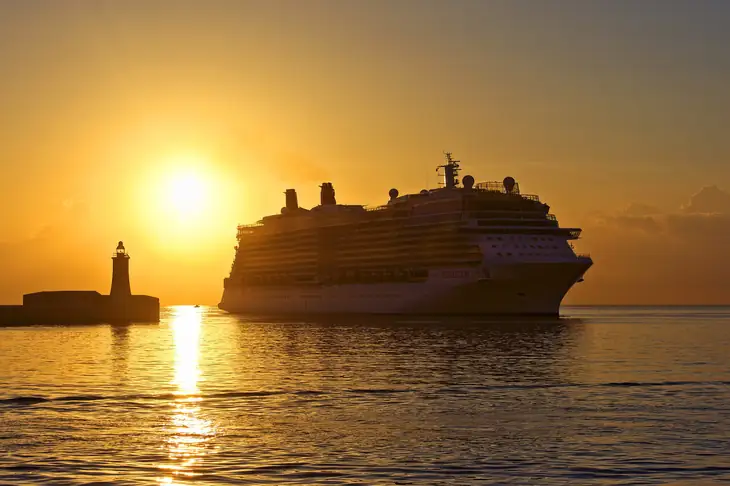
(606, 396)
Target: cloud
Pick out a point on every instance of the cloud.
(710, 199)
(641, 209)
(645, 256)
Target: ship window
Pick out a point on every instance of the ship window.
(509, 254)
(499, 253)
(494, 246)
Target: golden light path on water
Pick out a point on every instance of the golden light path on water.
(190, 435)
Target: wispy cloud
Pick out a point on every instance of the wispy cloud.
(644, 255)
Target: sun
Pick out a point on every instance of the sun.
(187, 204)
(187, 195)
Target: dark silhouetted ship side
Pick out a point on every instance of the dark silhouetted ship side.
(463, 248)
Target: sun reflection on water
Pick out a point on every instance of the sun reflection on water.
(189, 434)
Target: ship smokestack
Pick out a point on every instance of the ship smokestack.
(327, 194)
(292, 204)
(120, 273)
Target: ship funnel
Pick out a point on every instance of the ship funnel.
(292, 204)
(327, 194)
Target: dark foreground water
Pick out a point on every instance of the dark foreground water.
(606, 396)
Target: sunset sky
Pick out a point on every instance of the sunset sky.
(166, 123)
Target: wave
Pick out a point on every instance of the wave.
(617, 384)
(461, 389)
(34, 399)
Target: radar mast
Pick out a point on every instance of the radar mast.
(451, 171)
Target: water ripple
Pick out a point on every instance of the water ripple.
(33, 400)
(605, 397)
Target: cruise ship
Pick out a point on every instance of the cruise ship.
(461, 248)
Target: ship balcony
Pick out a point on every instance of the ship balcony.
(249, 226)
(246, 230)
(517, 222)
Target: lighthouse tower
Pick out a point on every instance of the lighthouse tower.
(120, 274)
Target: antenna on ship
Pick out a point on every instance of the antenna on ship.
(451, 171)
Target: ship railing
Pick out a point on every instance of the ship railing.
(246, 229)
(496, 186)
(583, 255)
(552, 217)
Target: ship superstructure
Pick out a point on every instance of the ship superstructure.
(463, 248)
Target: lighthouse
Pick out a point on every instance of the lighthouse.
(122, 305)
(87, 306)
(120, 274)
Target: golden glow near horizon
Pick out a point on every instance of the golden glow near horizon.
(190, 434)
(166, 126)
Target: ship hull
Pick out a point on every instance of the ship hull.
(519, 289)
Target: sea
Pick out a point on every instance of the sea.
(602, 395)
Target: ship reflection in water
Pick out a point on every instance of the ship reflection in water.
(190, 435)
(205, 398)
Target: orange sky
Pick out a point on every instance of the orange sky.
(615, 114)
